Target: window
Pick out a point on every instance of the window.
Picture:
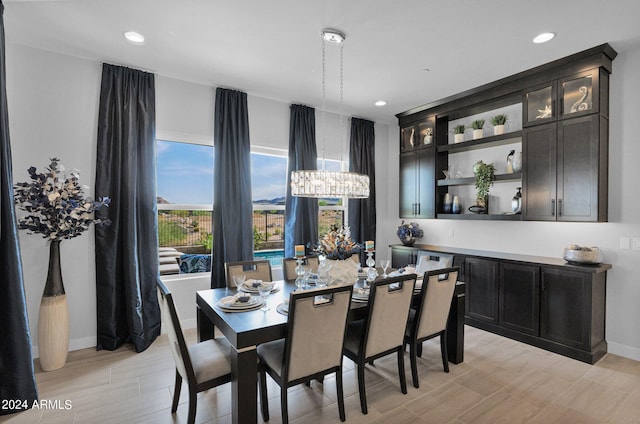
(185, 199)
(185, 196)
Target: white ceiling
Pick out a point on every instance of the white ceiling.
(272, 48)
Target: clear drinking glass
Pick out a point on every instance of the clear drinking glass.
(239, 279)
(385, 264)
(265, 289)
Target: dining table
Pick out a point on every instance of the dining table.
(245, 330)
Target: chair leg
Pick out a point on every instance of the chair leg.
(419, 350)
(264, 403)
(340, 394)
(176, 392)
(363, 395)
(283, 404)
(443, 350)
(414, 364)
(193, 402)
(403, 379)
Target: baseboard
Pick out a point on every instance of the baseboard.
(624, 350)
(74, 344)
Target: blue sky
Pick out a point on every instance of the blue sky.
(185, 173)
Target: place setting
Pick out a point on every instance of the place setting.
(253, 286)
(240, 302)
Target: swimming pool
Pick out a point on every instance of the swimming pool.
(275, 256)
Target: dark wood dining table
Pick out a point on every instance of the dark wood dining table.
(246, 330)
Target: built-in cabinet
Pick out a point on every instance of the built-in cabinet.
(417, 186)
(541, 301)
(561, 128)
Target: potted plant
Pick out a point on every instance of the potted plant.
(498, 122)
(458, 133)
(484, 173)
(477, 128)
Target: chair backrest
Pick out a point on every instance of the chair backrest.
(389, 303)
(171, 323)
(289, 266)
(428, 261)
(256, 270)
(435, 301)
(316, 330)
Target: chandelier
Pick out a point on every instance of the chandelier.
(307, 183)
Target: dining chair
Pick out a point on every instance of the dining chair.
(429, 319)
(203, 365)
(289, 266)
(312, 348)
(257, 270)
(382, 331)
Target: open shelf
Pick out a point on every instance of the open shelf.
(494, 140)
(480, 216)
(516, 176)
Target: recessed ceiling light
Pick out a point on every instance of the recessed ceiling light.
(544, 37)
(380, 103)
(134, 38)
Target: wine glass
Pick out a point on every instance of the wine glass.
(385, 264)
(238, 279)
(265, 289)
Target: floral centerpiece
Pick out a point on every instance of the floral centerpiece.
(336, 244)
(408, 233)
(55, 203)
(56, 208)
(335, 250)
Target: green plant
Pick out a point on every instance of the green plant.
(484, 179)
(459, 129)
(499, 119)
(258, 238)
(207, 242)
(477, 124)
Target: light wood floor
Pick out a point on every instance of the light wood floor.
(500, 381)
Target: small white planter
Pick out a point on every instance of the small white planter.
(428, 139)
(477, 134)
(458, 138)
(498, 129)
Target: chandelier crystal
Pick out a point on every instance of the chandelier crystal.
(330, 184)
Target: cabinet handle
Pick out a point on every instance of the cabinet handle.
(418, 209)
(560, 207)
(553, 207)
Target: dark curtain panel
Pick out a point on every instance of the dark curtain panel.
(232, 203)
(362, 159)
(127, 250)
(301, 213)
(16, 364)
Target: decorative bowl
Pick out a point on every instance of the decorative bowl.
(580, 255)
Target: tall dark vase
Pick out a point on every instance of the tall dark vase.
(53, 320)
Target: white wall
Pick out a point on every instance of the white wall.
(53, 101)
(549, 238)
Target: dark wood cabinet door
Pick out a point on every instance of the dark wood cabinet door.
(520, 297)
(408, 184)
(539, 173)
(565, 307)
(402, 256)
(481, 278)
(578, 165)
(426, 207)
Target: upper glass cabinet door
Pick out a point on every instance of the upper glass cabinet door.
(579, 94)
(539, 105)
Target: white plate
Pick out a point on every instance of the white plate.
(283, 309)
(230, 302)
(250, 289)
